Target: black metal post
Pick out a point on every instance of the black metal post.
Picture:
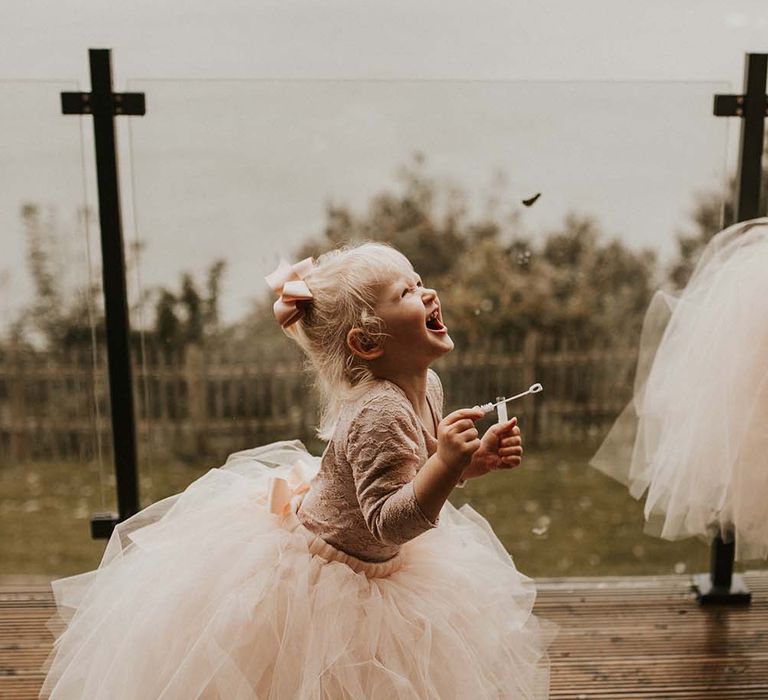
(103, 104)
(721, 585)
(753, 113)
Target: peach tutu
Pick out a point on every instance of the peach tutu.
(694, 437)
(210, 594)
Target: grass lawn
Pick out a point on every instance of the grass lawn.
(555, 515)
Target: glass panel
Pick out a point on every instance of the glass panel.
(544, 213)
(55, 452)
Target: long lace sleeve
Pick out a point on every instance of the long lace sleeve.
(383, 452)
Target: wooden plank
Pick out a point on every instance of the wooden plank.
(620, 638)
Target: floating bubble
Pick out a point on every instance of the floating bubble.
(31, 506)
(542, 525)
(531, 506)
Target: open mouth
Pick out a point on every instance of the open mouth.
(435, 323)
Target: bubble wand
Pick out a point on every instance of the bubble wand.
(488, 407)
(502, 407)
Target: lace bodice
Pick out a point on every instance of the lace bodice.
(362, 499)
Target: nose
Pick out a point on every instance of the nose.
(429, 295)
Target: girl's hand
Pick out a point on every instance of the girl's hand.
(500, 448)
(457, 438)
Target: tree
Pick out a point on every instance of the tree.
(188, 317)
(408, 220)
(168, 326)
(57, 317)
(713, 212)
(46, 312)
(61, 318)
(494, 283)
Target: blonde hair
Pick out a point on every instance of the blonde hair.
(345, 284)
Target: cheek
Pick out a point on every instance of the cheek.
(414, 321)
(405, 327)
(407, 322)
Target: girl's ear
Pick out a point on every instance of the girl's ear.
(365, 347)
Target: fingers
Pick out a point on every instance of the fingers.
(509, 427)
(511, 436)
(511, 462)
(466, 430)
(472, 414)
(510, 444)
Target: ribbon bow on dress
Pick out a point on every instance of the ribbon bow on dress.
(288, 281)
(282, 489)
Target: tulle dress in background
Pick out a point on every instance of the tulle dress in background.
(220, 591)
(695, 435)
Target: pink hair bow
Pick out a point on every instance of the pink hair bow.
(288, 281)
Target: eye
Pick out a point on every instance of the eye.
(408, 289)
(411, 288)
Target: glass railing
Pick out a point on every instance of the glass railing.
(545, 214)
(55, 446)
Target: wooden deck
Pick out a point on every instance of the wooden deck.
(620, 638)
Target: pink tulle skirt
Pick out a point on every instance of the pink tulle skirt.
(209, 594)
(694, 437)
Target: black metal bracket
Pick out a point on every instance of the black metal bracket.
(752, 108)
(130, 104)
(733, 106)
(104, 105)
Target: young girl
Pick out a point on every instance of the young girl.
(282, 575)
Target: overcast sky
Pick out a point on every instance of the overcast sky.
(605, 107)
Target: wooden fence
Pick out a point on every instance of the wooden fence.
(202, 403)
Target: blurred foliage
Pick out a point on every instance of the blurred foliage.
(188, 316)
(713, 212)
(496, 281)
(57, 319)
